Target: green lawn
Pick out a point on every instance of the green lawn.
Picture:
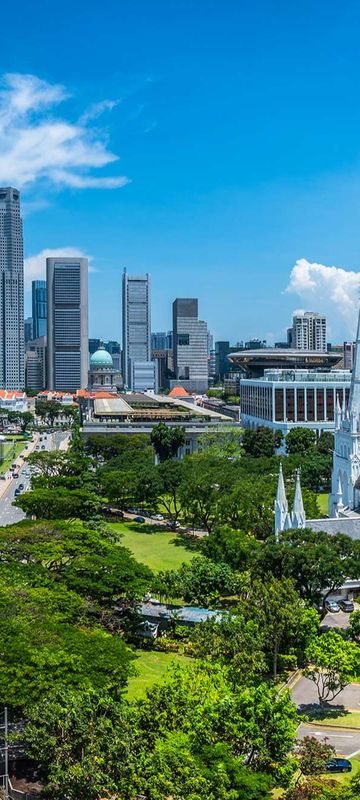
(151, 668)
(157, 549)
(349, 720)
(323, 500)
(9, 456)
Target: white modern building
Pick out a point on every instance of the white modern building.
(190, 347)
(12, 340)
(67, 323)
(286, 399)
(136, 322)
(309, 331)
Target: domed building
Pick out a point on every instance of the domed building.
(102, 375)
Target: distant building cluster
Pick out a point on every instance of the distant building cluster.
(298, 381)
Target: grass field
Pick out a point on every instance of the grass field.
(323, 500)
(151, 668)
(349, 720)
(157, 549)
(9, 456)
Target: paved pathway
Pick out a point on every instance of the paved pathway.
(346, 742)
(304, 691)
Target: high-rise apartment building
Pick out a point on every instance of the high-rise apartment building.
(136, 323)
(309, 331)
(12, 347)
(67, 323)
(39, 308)
(190, 346)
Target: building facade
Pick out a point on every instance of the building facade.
(190, 346)
(144, 376)
(136, 322)
(67, 323)
(35, 364)
(39, 308)
(12, 342)
(28, 329)
(309, 331)
(286, 399)
(103, 376)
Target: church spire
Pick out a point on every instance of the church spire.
(298, 519)
(354, 401)
(280, 506)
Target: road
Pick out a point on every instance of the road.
(345, 741)
(9, 513)
(304, 691)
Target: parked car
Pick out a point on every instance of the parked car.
(332, 606)
(21, 486)
(139, 519)
(346, 605)
(157, 516)
(111, 513)
(15, 474)
(17, 491)
(338, 765)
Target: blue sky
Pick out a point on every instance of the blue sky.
(237, 127)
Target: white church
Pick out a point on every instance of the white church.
(344, 500)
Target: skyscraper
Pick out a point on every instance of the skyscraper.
(309, 331)
(67, 323)
(190, 346)
(12, 348)
(136, 322)
(39, 308)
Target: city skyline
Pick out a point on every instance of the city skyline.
(235, 158)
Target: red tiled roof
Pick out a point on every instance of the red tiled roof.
(178, 391)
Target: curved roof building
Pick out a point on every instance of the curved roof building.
(254, 362)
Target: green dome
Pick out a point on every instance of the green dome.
(101, 358)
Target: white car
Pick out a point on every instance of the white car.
(157, 516)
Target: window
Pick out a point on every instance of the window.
(183, 339)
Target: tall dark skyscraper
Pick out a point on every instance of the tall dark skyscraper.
(12, 347)
(39, 308)
(136, 338)
(67, 323)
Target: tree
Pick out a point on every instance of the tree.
(325, 443)
(235, 548)
(312, 755)
(166, 441)
(59, 504)
(223, 443)
(300, 441)
(278, 611)
(205, 480)
(47, 410)
(354, 628)
(170, 476)
(86, 745)
(201, 582)
(333, 663)
(234, 642)
(262, 441)
(318, 563)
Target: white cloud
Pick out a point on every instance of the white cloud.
(36, 145)
(330, 290)
(35, 266)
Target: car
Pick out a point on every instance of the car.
(15, 474)
(157, 516)
(17, 491)
(338, 765)
(332, 606)
(346, 605)
(43, 447)
(139, 519)
(21, 486)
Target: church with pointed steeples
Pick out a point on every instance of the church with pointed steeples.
(283, 519)
(344, 500)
